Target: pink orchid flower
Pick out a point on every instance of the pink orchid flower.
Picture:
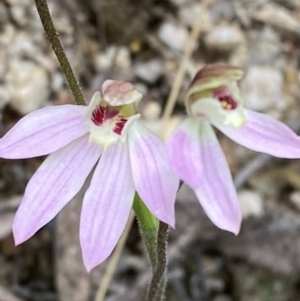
(194, 151)
(131, 159)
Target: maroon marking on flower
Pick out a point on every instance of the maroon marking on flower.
(101, 114)
(120, 125)
(98, 115)
(224, 96)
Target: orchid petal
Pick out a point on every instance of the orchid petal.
(118, 93)
(153, 178)
(106, 205)
(216, 192)
(264, 134)
(43, 131)
(53, 185)
(184, 152)
(213, 76)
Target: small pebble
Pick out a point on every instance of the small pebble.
(28, 86)
(118, 55)
(251, 203)
(264, 46)
(278, 17)
(149, 71)
(141, 87)
(151, 110)
(173, 35)
(188, 14)
(261, 89)
(58, 81)
(22, 45)
(224, 38)
(19, 15)
(103, 61)
(6, 221)
(295, 198)
(123, 59)
(222, 10)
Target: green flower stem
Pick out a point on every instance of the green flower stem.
(158, 283)
(52, 36)
(155, 235)
(148, 225)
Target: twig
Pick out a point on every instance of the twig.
(52, 36)
(176, 86)
(174, 253)
(251, 167)
(158, 282)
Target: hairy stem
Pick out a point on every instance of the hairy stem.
(158, 283)
(148, 225)
(52, 36)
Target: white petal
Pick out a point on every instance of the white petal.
(184, 152)
(216, 191)
(264, 134)
(44, 131)
(106, 205)
(53, 185)
(153, 177)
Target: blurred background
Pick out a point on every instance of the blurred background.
(143, 41)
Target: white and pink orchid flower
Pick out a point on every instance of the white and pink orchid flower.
(131, 159)
(194, 151)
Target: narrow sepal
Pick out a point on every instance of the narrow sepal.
(53, 185)
(216, 191)
(106, 205)
(184, 152)
(265, 134)
(43, 132)
(153, 177)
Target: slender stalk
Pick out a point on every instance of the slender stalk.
(52, 36)
(177, 83)
(148, 225)
(157, 286)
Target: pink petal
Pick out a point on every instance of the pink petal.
(184, 152)
(106, 205)
(118, 93)
(216, 192)
(264, 134)
(153, 178)
(54, 184)
(43, 131)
